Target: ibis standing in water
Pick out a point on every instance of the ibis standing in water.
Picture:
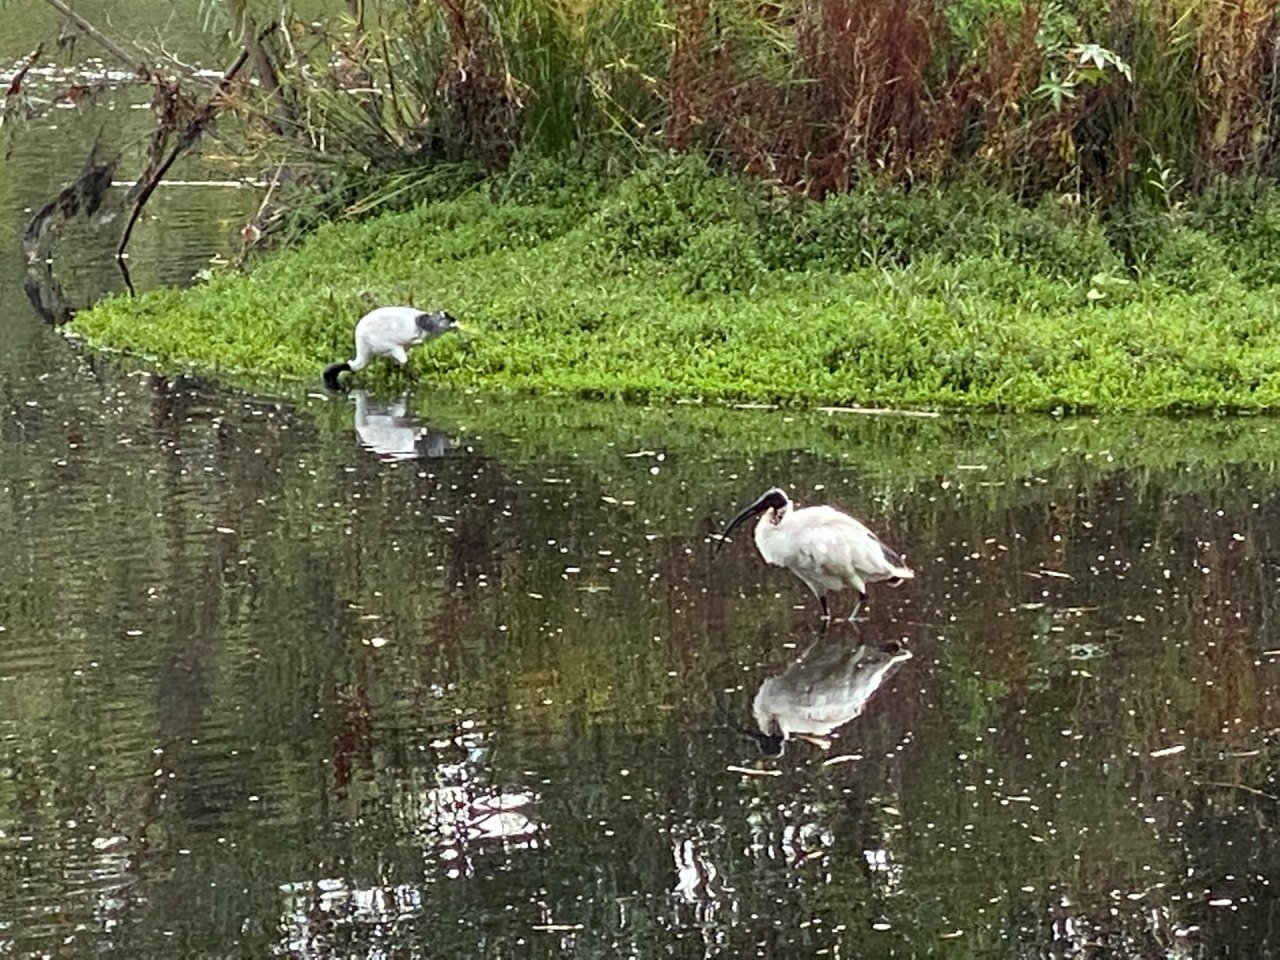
(825, 548)
(389, 332)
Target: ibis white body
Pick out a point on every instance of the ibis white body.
(390, 332)
(828, 550)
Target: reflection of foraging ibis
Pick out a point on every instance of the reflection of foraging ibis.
(388, 430)
(389, 332)
(825, 548)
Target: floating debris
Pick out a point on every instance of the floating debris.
(843, 758)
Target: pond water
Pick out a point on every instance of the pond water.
(461, 676)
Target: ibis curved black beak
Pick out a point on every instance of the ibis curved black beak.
(773, 499)
(770, 743)
(751, 511)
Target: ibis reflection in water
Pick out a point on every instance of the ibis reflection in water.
(387, 430)
(825, 548)
(827, 687)
(462, 814)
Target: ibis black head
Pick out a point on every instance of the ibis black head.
(435, 323)
(768, 741)
(331, 375)
(772, 499)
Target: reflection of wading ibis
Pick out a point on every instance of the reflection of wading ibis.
(825, 548)
(827, 687)
(389, 332)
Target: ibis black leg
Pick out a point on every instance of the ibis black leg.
(862, 599)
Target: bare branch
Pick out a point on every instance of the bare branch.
(134, 61)
(190, 135)
(15, 85)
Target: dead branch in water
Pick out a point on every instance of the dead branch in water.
(180, 121)
(82, 197)
(190, 134)
(15, 85)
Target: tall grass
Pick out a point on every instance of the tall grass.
(1095, 103)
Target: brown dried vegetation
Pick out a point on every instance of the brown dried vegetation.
(1092, 103)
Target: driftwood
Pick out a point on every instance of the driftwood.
(170, 104)
(190, 135)
(45, 294)
(882, 412)
(81, 197)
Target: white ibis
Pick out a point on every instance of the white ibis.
(389, 332)
(825, 548)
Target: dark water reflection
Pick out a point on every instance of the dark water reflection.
(265, 689)
(461, 676)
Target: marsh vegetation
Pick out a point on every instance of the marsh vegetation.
(980, 205)
(680, 284)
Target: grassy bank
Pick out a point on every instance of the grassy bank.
(678, 284)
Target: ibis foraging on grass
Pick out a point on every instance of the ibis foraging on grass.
(825, 548)
(389, 332)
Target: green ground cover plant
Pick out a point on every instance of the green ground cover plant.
(681, 283)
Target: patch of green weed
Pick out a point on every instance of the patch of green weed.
(686, 285)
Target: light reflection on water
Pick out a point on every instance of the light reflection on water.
(374, 676)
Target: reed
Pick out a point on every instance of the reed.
(1093, 103)
(1236, 72)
